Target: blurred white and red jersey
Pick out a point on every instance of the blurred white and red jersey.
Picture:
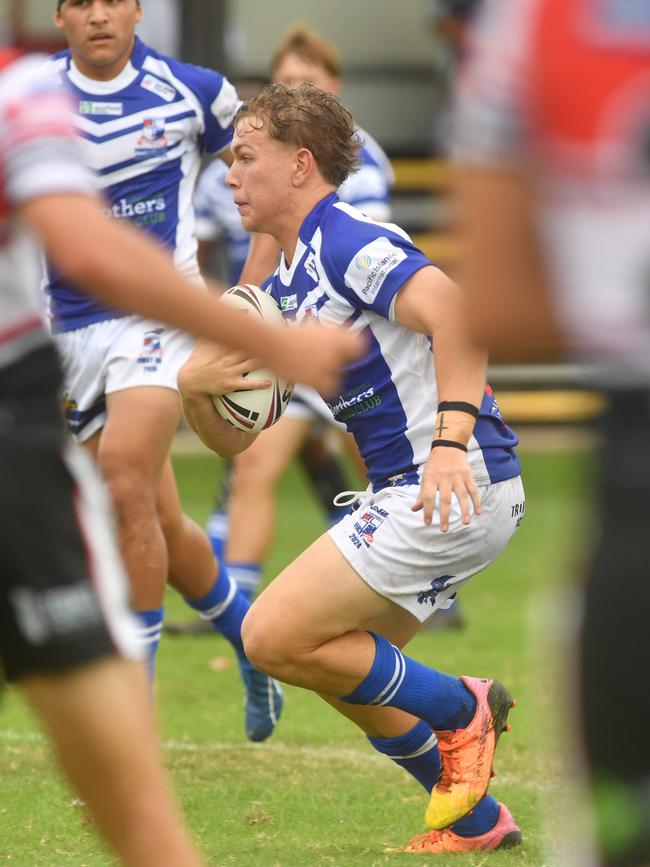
(38, 157)
(561, 89)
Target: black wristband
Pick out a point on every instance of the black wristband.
(452, 444)
(458, 406)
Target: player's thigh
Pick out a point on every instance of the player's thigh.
(271, 453)
(139, 429)
(319, 596)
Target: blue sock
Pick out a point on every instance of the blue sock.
(149, 631)
(399, 681)
(217, 531)
(247, 577)
(225, 607)
(417, 752)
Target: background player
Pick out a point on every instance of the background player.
(65, 631)
(555, 193)
(146, 119)
(334, 619)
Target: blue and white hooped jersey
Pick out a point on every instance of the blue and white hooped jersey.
(368, 189)
(347, 270)
(143, 135)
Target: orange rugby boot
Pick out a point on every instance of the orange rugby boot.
(505, 833)
(466, 755)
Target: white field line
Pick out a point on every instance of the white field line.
(312, 753)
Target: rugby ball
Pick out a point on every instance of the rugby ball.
(254, 411)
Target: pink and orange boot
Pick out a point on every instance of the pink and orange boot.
(466, 755)
(505, 833)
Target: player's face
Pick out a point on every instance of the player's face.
(294, 70)
(100, 34)
(260, 177)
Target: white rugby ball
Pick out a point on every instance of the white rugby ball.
(255, 410)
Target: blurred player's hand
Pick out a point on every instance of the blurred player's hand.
(447, 472)
(315, 355)
(215, 369)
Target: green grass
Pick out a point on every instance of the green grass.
(316, 794)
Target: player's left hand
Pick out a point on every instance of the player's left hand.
(447, 472)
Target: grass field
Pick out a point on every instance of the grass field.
(316, 794)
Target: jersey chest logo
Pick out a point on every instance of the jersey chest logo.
(153, 142)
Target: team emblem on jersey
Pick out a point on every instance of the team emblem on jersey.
(310, 314)
(153, 141)
(437, 586)
(367, 526)
(152, 352)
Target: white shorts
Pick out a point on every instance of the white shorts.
(419, 567)
(113, 355)
(308, 404)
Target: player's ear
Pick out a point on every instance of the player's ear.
(139, 12)
(303, 166)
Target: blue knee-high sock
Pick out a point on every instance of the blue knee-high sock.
(149, 632)
(399, 681)
(417, 752)
(247, 577)
(225, 607)
(217, 531)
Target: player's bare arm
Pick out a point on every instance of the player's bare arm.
(431, 303)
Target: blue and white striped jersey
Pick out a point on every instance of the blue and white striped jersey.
(143, 135)
(347, 270)
(368, 189)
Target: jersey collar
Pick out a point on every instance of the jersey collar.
(313, 218)
(126, 77)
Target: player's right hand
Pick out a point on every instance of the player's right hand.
(214, 369)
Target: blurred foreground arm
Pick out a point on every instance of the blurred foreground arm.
(123, 268)
(510, 309)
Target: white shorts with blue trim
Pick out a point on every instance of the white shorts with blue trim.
(112, 355)
(416, 566)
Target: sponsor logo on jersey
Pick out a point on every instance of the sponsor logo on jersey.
(371, 266)
(160, 88)
(288, 302)
(99, 109)
(144, 212)
(351, 404)
(437, 586)
(153, 141)
(151, 355)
